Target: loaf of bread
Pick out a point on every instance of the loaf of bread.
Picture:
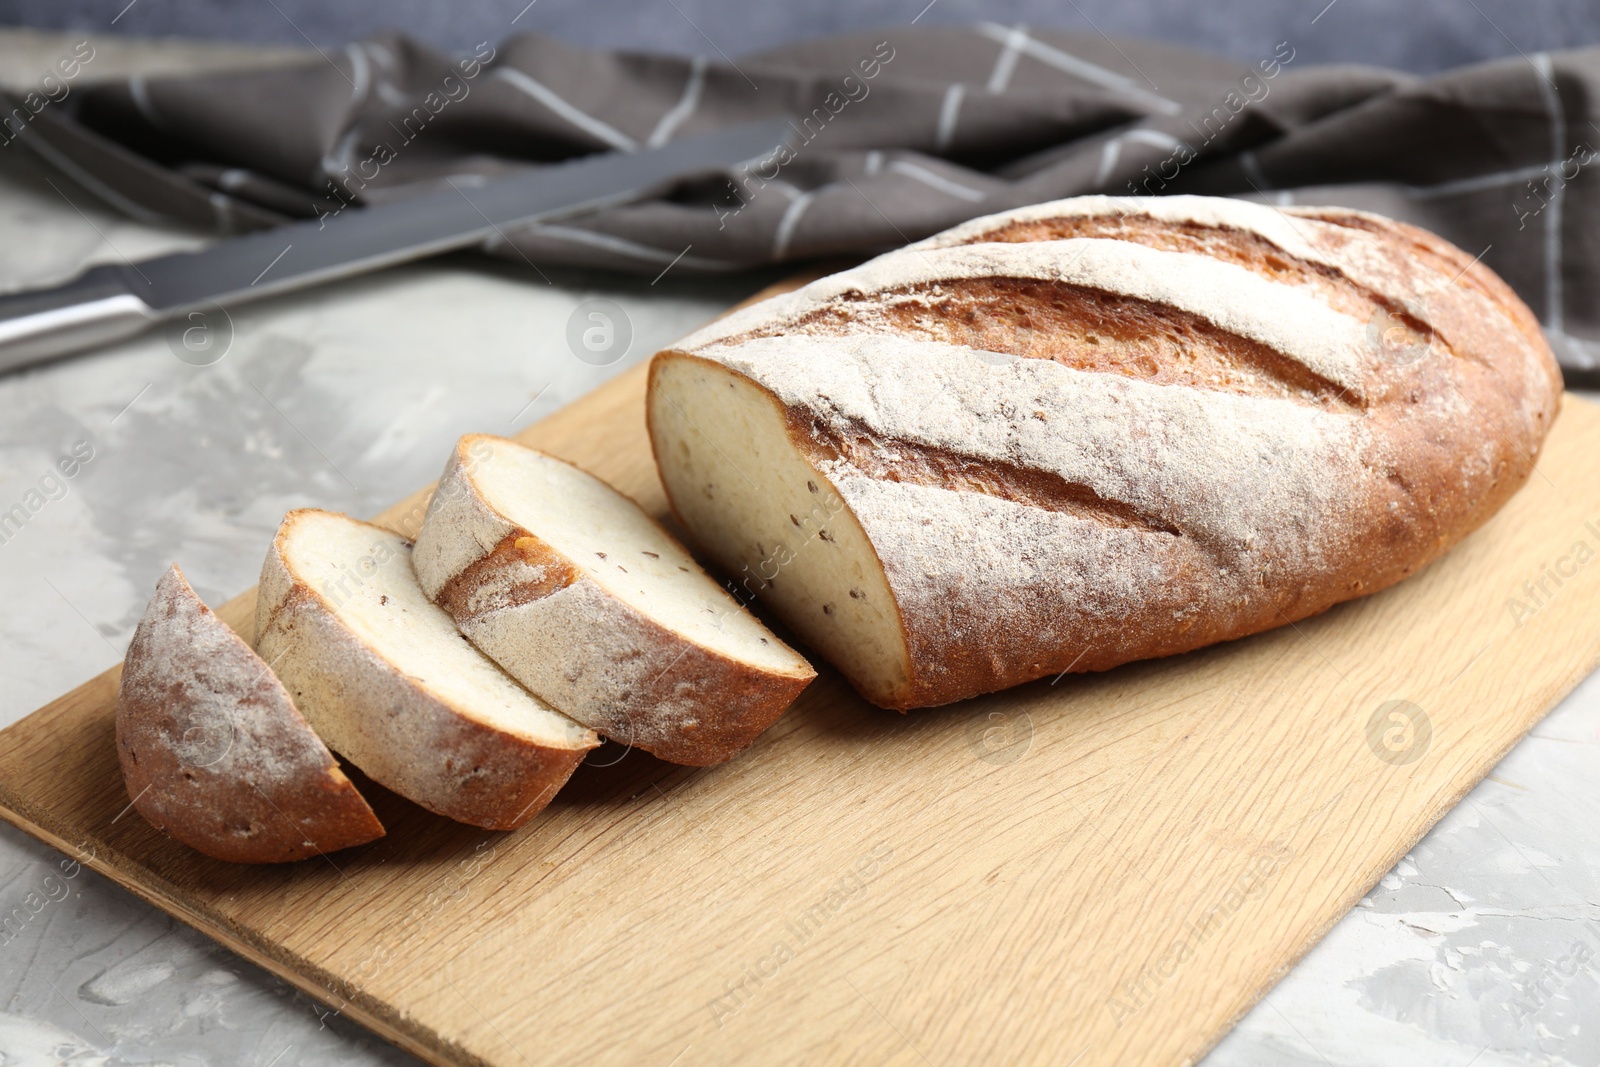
(586, 600)
(212, 749)
(1087, 432)
(389, 683)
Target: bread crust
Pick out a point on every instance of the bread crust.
(375, 714)
(1148, 468)
(213, 751)
(608, 664)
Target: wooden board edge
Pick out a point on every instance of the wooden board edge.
(1548, 699)
(306, 978)
(305, 981)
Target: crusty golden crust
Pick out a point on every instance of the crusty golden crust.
(1436, 422)
(1427, 500)
(213, 751)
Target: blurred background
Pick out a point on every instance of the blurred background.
(1420, 35)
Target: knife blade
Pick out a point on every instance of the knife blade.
(114, 301)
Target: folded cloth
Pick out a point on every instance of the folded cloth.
(897, 134)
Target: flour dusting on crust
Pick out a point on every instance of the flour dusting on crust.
(1129, 493)
(1293, 324)
(214, 749)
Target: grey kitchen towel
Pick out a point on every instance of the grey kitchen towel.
(897, 134)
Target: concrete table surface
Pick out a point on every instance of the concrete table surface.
(1482, 947)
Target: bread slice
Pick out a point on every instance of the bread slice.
(384, 676)
(571, 587)
(213, 751)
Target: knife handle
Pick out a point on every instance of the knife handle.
(94, 308)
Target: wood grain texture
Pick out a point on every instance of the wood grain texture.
(1118, 864)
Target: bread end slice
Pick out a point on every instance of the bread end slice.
(579, 594)
(212, 749)
(389, 683)
(767, 516)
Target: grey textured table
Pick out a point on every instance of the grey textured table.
(1482, 947)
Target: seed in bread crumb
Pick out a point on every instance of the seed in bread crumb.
(652, 555)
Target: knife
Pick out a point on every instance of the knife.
(110, 302)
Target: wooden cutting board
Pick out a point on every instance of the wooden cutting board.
(1106, 869)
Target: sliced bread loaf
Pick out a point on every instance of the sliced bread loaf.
(213, 751)
(1098, 430)
(572, 588)
(387, 680)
